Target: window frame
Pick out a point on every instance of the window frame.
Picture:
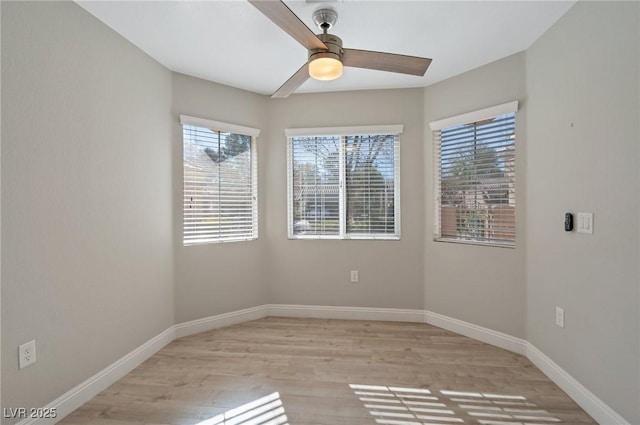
(342, 132)
(223, 127)
(463, 119)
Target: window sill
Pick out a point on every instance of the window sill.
(216, 242)
(511, 245)
(346, 238)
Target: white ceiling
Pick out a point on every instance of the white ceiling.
(232, 43)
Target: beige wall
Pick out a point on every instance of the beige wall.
(217, 278)
(478, 284)
(582, 85)
(86, 159)
(317, 272)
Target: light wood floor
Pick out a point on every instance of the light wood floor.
(277, 371)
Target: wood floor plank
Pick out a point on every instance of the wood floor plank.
(289, 371)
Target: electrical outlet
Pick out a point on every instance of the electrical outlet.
(355, 278)
(560, 316)
(27, 353)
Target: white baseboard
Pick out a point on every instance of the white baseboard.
(77, 396)
(220, 320)
(479, 333)
(599, 410)
(348, 313)
(82, 393)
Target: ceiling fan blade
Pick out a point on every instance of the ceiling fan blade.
(293, 83)
(386, 61)
(283, 17)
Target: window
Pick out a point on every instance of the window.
(220, 182)
(474, 165)
(344, 183)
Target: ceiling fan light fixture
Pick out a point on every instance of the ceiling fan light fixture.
(325, 68)
(326, 64)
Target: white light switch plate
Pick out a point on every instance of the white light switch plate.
(585, 223)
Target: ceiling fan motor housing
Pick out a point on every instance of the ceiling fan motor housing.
(334, 48)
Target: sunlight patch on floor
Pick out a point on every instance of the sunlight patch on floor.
(267, 410)
(421, 406)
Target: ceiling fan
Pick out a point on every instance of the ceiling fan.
(326, 54)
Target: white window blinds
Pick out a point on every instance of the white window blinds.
(220, 187)
(370, 179)
(316, 185)
(474, 164)
(344, 185)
